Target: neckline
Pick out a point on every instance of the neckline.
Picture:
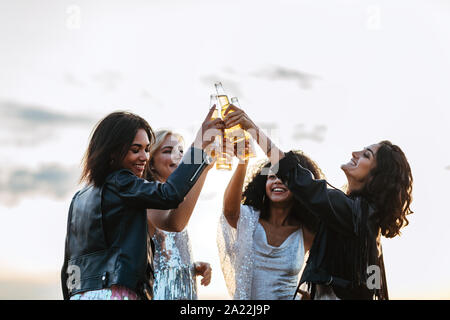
(285, 240)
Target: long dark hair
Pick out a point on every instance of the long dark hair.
(390, 188)
(255, 192)
(109, 144)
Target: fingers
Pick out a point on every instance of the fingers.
(232, 116)
(305, 294)
(218, 123)
(230, 108)
(206, 280)
(232, 123)
(210, 113)
(203, 269)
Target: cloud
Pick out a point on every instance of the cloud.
(447, 167)
(73, 80)
(145, 94)
(49, 180)
(108, 79)
(303, 79)
(317, 134)
(22, 123)
(37, 115)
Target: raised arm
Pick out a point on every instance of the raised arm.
(234, 116)
(332, 206)
(233, 195)
(168, 195)
(175, 220)
(156, 195)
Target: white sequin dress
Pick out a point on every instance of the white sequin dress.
(251, 267)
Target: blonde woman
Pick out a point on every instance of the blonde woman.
(175, 270)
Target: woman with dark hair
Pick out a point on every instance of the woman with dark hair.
(108, 253)
(346, 259)
(175, 269)
(264, 233)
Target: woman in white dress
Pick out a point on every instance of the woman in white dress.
(262, 237)
(174, 268)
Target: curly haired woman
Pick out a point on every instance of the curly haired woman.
(346, 259)
(264, 233)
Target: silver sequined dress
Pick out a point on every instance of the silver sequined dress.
(242, 251)
(174, 267)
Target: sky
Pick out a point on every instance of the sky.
(328, 77)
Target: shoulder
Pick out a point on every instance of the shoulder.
(248, 210)
(248, 214)
(119, 174)
(84, 192)
(121, 178)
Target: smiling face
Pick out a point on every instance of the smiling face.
(358, 168)
(276, 191)
(138, 154)
(167, 157)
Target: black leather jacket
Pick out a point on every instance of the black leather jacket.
(347, 242)
(107, 241)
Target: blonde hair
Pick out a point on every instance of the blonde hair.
(160, 136)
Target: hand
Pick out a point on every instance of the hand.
(203, 269)
(305, 295)
(209, 130)
(235, 116)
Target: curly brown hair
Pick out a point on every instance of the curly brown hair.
(254, 193)
(390, 188)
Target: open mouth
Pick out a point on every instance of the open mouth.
(278, 190)
(140, 167)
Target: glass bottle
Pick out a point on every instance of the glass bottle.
(235, 133)
(248, 146)
(223, 161)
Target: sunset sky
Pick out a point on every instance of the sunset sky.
(327, 77)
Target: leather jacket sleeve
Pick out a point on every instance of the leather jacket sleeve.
(156, 195)
(332, 206)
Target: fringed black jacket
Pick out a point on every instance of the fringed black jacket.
(346, 253)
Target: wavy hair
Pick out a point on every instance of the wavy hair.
(390, 188)
(110, 141)
(254, 193)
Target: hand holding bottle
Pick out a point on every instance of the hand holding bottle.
(236, 116)
(209, 130)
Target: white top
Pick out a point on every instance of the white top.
(240, 256)
(276, 269)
